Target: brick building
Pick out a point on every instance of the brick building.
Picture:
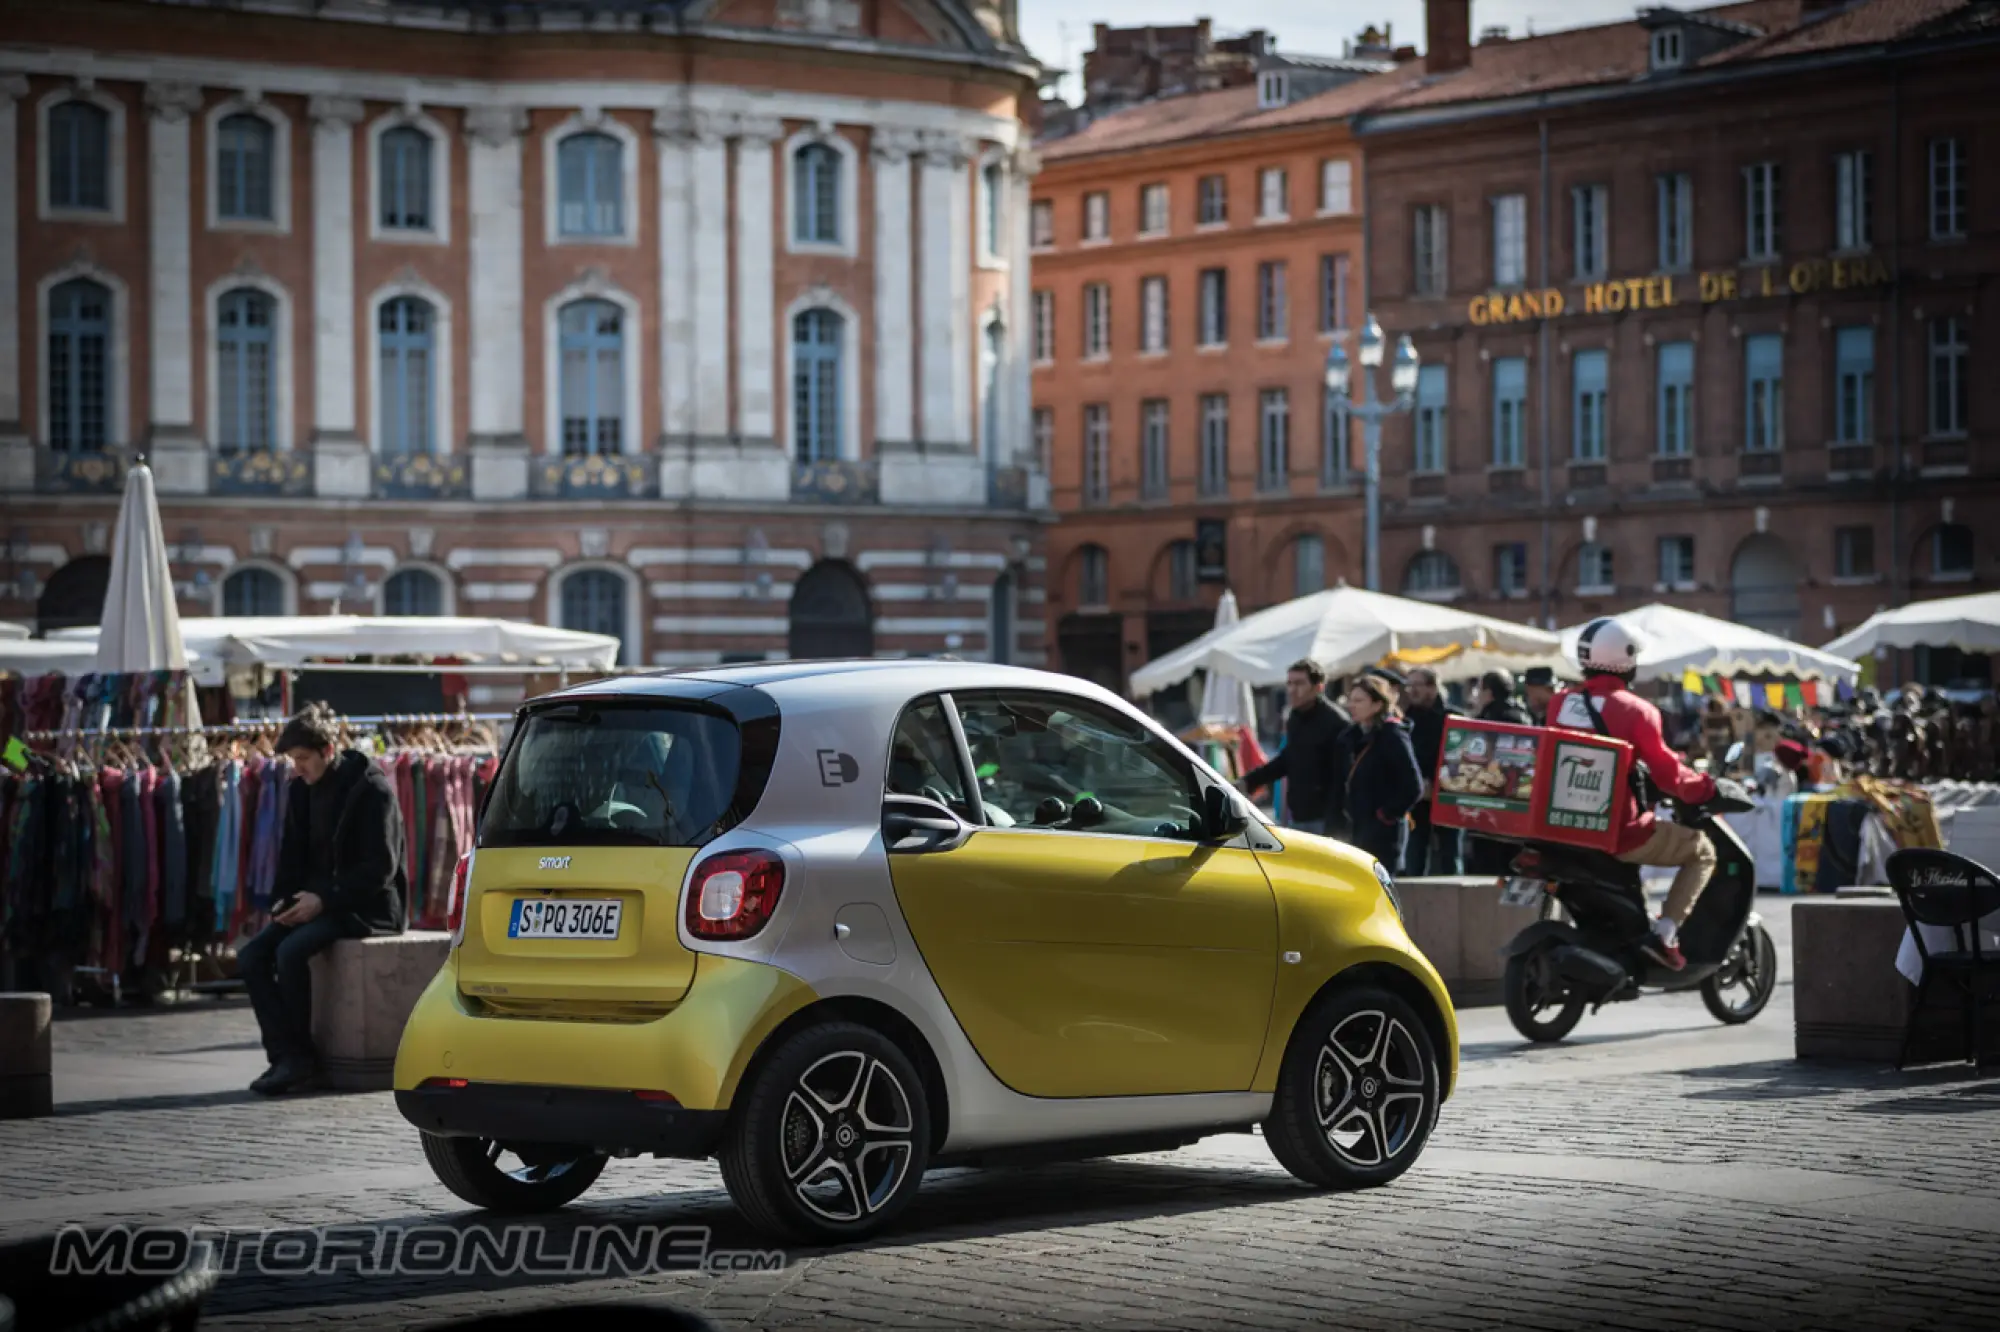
(703, 326)
(1700, 300)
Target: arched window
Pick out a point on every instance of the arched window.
(413, 592)
(1764, 579)
(253, 592)
(591, 185)
(816, 350)
(1093, 577)
(407, 379)
(593, 602)
(1183, 571)
(79, 365)
(1308, 564)
(243, 173)
(244, 414)
(830, 614)
(406, 179)
(74, 595)
(1433, 573)
(80, 156)
(593, 377)
(816, 194)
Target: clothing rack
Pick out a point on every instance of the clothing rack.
(258, 726)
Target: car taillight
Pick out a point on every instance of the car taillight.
(454, 911)
(732, 895)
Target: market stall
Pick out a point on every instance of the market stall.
(1970, 623)
(1225, 731)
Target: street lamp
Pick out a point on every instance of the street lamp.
(1403, 383)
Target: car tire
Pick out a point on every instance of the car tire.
(1358, 1092)
(548, 1177)
(830, 1136)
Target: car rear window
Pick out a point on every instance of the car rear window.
(615, 775)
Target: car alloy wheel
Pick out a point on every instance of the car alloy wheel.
(1370, 1088)
(846, 1136)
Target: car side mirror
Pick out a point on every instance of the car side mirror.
(1221, 817)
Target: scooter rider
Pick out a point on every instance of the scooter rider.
(1608, 652)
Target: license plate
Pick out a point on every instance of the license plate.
(1519, 892)
(564, 918)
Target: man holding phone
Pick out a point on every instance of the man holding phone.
(340, 876)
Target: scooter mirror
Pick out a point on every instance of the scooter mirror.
(1735, 753)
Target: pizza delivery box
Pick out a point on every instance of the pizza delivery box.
(1536, 783)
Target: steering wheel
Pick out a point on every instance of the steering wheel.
(932, 793)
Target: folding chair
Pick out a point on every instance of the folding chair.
(1940, 889)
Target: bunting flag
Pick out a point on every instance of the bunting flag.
(1809, 692)
(1744, 697)
(1774, 696)
(1692, 681)
(1795, 697)
(1717, 687)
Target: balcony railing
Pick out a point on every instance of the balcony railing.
(267, 472)
(423, 476)
(595, 477)
(1762, 467)
(1007, 487)
(836, 481)
(1587, 475)
(85, 472)
(1946, 454)
(1850, 462)
(1427, 485)
(1673, 471)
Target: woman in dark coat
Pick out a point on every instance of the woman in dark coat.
(1383, 780)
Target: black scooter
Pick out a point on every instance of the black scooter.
(1556, 967)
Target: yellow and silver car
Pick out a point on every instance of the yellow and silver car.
(839, 923)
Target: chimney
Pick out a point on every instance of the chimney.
(1447, 35)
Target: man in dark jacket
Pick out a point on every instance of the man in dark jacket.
(1538, 686)
(1496, 704)
(1308, 763)
(1432, 850)
(340, 871)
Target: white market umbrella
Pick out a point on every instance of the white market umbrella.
(140, 629)
(1225, 698)
(9, 630)
(1678, 641)
(1969, 623)
(1346, 629)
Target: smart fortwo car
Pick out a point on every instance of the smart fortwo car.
(839, 923)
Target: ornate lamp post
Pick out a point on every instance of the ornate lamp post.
(1403, 383)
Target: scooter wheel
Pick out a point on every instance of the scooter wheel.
(1538, 1004)
(1741, 987)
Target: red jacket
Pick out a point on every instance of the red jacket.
(1632, 719)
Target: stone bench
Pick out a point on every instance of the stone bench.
(26, 1091)
(1461, 927)
(363, 991)
(1848, 999)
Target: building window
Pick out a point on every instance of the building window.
(591, 341)
(1183, 583)
(1764, 408)
(1093, 581)
(1041, 224)
(1510, 411)
(1273, 318)
(1045, 439)
(405, 163)
(1432, 574)
(1214, 444)
(1594, 576)
(404, 333)
(1096, 321)
(1763, 211)
(1333, 274)
(1333, 443)
(1854, 552)
(1308, 564)
(1096, 453)
(1853, 201)
(245, 149)
(1590, 207)
(1951, 552)
(1336, 186)
(1274, 439)
(591, 185)
(1153, 445)
(1510, 569)
(1854, 385)
(1096, 216)
(413, 592)
(80, 157)
(1272, 86)
(253, 592)
(816, 353)
(1666, 49)
(1274, 194)
(1589, 373)
(993, 210)
(1214, 312)
(244, 348)
(1676, 362)
(1153, 314)
(1153, 210)
(1510, 240)
(79, 366)
(1212, 201)
(1044, 303)
(1947, 189)
(816, 188)
(593, 602)
(1675, 193)
(1428, 242)
(1677, 563)
(1432, 393)
(1950, 393)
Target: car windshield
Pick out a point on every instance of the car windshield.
(614, 775)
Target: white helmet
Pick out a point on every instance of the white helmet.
(1607, 645)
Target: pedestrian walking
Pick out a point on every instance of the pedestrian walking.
(1538, 686)
(1309, 762)
(1432, 849)
(1383, 783)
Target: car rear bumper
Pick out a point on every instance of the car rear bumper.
(594, 1117)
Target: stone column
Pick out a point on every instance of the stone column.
(756, 352)
(673, 136)
(17, 457)
(340, 453)
(179, 460)
(945, 292)
(895, 350)
(708, 257)
(498, 442)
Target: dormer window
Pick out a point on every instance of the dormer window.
(1667, 49)
(1272, 88)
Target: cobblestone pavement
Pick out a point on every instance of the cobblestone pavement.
(1657, 1171)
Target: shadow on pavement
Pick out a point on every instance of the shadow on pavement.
(127, 1104)
(1789, 1079)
